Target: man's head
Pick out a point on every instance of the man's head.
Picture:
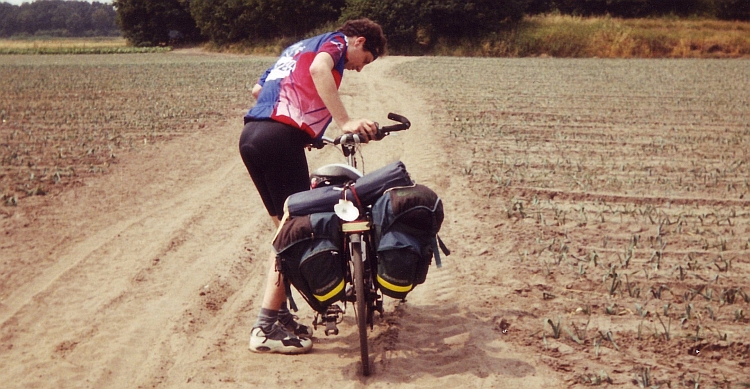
(366, 44)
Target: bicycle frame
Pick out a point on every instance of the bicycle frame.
(361, 261)
(359, 254)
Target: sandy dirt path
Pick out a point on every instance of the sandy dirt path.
(150, 277)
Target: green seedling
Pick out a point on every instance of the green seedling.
(682, 275)
(597, 346)
(556, 328)
(710, 311)
(727, 264)
(595, 379)
(640, 310)
(643, 379)
(657, 292)
(580, 334)
(611, 338)
(615, 285)
(689, 311)
(666, 327)
(697, 336)
(729, 296)
(633, 290)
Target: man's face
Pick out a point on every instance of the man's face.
(356, 55)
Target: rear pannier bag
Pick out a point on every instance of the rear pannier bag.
(406, 222)
(310, 256)
(366, 190)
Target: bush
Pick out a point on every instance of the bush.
(227, 21)
(154, 22)
(722, 9)
(733, 9)
(413, 25)
(57, 18)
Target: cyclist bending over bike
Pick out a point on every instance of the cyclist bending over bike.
(297, 98)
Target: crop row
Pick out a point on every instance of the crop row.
(65, 117)
(624, 184)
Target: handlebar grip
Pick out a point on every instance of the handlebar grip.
(404, 124)
(349, 139)
(401, 119)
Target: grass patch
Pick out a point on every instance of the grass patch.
(606, 37)
(102, 45)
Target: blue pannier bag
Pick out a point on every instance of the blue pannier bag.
(364, 191)
(309, 255)
(406, 221)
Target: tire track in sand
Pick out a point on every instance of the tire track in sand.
(115, 297)
(437, 333)
(166, 299)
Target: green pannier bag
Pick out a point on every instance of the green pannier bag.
(310, 256)
(406, 222)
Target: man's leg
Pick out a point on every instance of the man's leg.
(267, 336)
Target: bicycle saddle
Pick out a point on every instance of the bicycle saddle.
(334, 174)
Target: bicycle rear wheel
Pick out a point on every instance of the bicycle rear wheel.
(360, 306)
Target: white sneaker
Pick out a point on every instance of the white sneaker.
(299, 330)
(278, 341)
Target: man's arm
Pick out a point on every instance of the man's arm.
(256, 90)
(320, 70)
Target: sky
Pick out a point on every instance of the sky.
(19, 2)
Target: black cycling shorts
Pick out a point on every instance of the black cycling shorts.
(274, 154)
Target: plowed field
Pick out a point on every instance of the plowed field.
(597, 212)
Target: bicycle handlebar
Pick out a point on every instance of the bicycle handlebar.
(350, 139)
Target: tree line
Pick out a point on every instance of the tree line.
(720, 9)
(58, 18)
(408, 24)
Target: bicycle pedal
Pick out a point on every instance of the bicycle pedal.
(333, 316)
(331, 328)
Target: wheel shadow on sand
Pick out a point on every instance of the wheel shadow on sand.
(441, 340)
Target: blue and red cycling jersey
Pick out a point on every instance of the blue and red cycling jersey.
(289, 95)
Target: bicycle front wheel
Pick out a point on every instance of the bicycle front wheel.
(361, 310)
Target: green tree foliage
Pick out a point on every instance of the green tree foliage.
(58, 18)
(156, 22)
(733, 9)
(724, 9)
(412, 23)
(226, 21)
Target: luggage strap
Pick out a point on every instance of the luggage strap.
(437, 246)
(287, 286)
(351, 186)
(289, 297)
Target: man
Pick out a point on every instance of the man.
(296, 100)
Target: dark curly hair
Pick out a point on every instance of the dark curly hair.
(372, 32)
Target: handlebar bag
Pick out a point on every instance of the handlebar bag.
(406, 221)
(310, 257)
(368, 188)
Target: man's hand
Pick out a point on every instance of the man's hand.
(366, 128)
(256, 90)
